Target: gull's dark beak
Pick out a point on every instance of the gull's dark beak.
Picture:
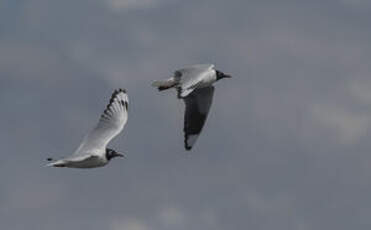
(120, 155)
(227, 76)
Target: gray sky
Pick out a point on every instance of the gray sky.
(286, 145)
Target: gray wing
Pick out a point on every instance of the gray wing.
(191, 76)
(110, 124)
(197, 104)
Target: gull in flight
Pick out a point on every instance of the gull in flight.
(194, 86)
(92, 152)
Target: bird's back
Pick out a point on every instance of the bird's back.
(196, 76)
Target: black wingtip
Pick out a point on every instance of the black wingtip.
(117, 91)
(122, 90)
(49, 159)
(114, 94)
(186, 146)
(125, 104)
(112, 100)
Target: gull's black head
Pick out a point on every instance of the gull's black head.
(110, 153)
(220, 75)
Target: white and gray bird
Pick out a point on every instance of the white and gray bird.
(92, 152)
(194, 86)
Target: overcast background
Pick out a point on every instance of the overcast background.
(286, 145)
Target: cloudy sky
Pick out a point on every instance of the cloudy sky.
(286, 145)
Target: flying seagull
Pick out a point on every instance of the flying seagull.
(194, 86)
(92, 152)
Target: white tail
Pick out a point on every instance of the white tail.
(59, 163)
(164, 84)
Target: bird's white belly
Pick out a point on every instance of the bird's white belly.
(91, 162)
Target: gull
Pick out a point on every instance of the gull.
(92, 151)
(195, 86)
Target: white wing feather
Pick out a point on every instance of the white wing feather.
(110, 124)
(193, 75)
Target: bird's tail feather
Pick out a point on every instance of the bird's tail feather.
(164, 84)
(57, 164)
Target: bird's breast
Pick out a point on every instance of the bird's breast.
(91, 162)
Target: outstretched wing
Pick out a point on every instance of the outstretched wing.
(197, 104)
(110, 124)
